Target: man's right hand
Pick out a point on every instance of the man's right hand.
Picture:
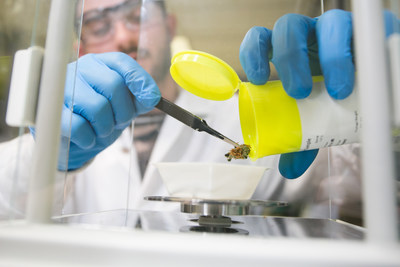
(103, 94)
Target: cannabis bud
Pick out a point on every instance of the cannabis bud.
(239, 152)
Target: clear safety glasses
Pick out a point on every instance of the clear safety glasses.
(98, 25)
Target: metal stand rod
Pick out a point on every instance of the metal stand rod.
(44, 162)
(377, 156)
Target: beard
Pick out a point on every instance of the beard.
(160, 69)
(156, 65)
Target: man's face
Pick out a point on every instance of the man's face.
(143, 32)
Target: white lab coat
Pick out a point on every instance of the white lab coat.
(112, 180)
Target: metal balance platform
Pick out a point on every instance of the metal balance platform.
(215, 214)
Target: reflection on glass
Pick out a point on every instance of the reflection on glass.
(23, 24)
(394, 7)
(216, 28)
(116, 171)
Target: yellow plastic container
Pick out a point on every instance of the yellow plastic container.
(265, 129)
(271, 121)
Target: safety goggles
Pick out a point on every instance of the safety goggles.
(98, 25)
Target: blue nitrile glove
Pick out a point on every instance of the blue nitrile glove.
(303, 47)
(111, 89)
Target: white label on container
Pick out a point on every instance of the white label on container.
(326, 121)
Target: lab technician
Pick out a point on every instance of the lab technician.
(108, 170)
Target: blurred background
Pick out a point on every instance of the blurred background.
(22, 23)
(216, 27)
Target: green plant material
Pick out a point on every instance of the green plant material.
(239, 152)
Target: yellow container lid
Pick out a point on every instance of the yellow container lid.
(204, 75)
